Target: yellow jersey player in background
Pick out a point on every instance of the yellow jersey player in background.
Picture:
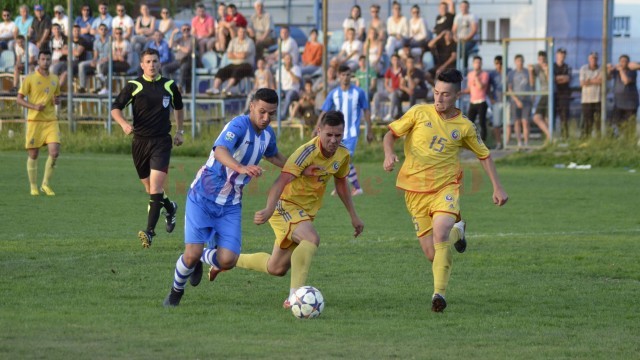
(431, 174)
(296, 199)
(42, 90)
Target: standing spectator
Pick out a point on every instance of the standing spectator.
(242, 55)
(124, 22)
(590, 81)
(287, 45)
(60, 18)
(39, 93)
(392, 79)
(364, 77)
(182, 61)
(562, 96)
(84, 21)
(228, 28)
(7, 30)
(144, 28)
(412, 86)
(24, 20)
(161, 46)
(119, 55)
(166, 23)
(465, 31)
(355, 21)
(446, 14)
(477, 88)
(21, 57)
(58, 43)
(312, 54)
(540, 71)
(203, 28)
(100, 58)
(397, 29)
(290, 77)
(495, 95)
(444, 54)
(77, 54)
(625, 95)
(518, 80)
(373, 47)
(418, 33)
(103, 18)
(350, 51)
(377, 23)
(261, 29)
(41, 28)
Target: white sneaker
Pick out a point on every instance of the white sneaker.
(104, 91)
(213, 91)
(388, 118)
(356, 192)
(460, 245)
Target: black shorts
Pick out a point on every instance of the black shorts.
(543, 106)
(151, 153)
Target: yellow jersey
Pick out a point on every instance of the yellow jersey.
(432, 147)
(41, 90)
(307, 191)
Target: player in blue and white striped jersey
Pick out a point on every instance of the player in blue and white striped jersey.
(352, 102)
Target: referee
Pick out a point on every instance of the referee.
(152, 98)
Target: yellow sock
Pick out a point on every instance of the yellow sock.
(32, 171)
(301, 262)
(48, 170)
(257, 261)
(442, 267)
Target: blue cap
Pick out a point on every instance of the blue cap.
(38, 7)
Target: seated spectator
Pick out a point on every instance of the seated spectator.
(418, 33)
(355, 21)
(412, 86)
(182, 58)
(203, 28)
(84, 21)
(41, 28)
(103, 18)
(312, 54)
(263, 78)
(377, 23)
(7, 30)
(374, 47)
(364, 77)
(59, 18)
(350, 51)
(100, 58)
(397, 30)
(261, 29)
(443, 49)
(241, 54)
(446, 14)
(58, 42)
(228, 28)
(290, 76)
(23, 21)
(158, 43)
(124, 22)
(21, 57)
(304, 107)
(287, 45)
(166, 23)
(144, 28)
(119, 55)
(77, 54)
(318, 86)
(221, 12)
(392, 79)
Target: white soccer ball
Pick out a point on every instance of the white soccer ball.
(307, 303)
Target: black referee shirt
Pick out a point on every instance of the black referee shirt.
(151, 102)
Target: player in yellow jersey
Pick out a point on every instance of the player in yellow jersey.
(296, 200)
(431, 174)
(39, 93)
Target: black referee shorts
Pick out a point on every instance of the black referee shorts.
(151, 153)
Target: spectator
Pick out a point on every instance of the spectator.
(103, 18)
(124, 22)
(312, 54)
(182, 59)
(495, 95)
(465, 31)
(377, 23)
(287, 45)
(374, 48)
(261, 29)
(21, 57)
(397, 29)
(242, 55)
(562, 96)
(418, 33)
(7, 29)
(625, 95)
(166, 23)
(158, 43)
(59, 18)
(478, 88)
(355, 21)
(405, 52)
(78, 53)
(364, 77)
(318, 86)
(412, 86)
(221, 12)
(540, 71)
(119, 55)
(144, 28)
(518, 81)
(289, 76)
(444, 54)
(263, 78)
(590, 81)
(304, 108)
(24, 20)
(41, 28)
(392, 79)
(350, 51)
(444, 20)
(84, 21)
(100, 58)
(228, 28)
(58, 43)
(203, 28)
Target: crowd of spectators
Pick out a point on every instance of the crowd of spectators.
(385, 56)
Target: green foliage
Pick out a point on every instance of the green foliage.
(551, 275)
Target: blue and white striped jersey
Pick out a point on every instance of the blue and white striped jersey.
(351, 103)
(218, 183)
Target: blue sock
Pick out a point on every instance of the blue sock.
(182, 274)
(353, 177)
(209, 257)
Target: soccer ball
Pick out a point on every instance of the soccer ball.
(307, 303)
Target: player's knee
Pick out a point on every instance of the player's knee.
(277, 270)
(227, 261)
(192, 257)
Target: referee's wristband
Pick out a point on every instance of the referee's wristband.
(181, 132)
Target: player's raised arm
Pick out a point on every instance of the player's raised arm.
(342, 189)
(263, 215)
